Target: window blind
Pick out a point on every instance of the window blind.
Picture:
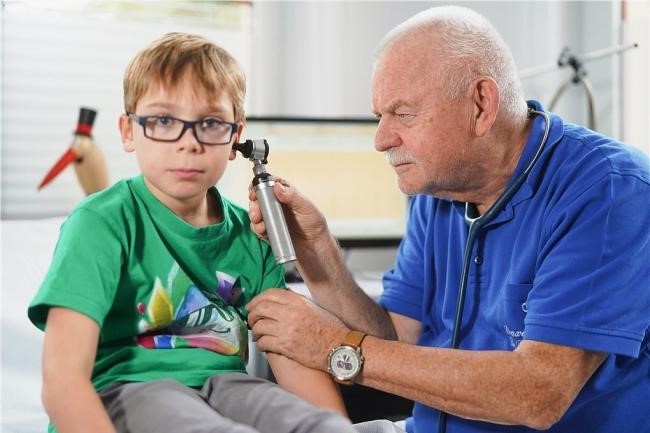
(55, 61)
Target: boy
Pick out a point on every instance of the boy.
(144, 303)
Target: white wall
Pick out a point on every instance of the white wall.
(635, 114)
(315, 58)
(303, 59)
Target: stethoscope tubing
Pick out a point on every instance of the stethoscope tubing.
(475, 224)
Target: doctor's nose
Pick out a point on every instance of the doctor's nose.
(385, 136)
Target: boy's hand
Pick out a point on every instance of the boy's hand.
(306, 223)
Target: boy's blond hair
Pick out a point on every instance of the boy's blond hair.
(168, 58)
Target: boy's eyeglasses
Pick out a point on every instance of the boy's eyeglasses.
(168, 129)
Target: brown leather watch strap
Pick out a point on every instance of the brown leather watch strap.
(353, 339)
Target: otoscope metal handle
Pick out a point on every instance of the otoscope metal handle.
(276, 225)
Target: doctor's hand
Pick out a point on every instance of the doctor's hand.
(289, 324)
(305, 222)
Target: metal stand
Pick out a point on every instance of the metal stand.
(579, 76)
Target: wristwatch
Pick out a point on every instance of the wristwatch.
(344, 362)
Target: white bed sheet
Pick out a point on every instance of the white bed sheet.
(27, 247)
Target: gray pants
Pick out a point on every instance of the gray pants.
(231, 403)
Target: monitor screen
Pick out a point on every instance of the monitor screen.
(334, 163)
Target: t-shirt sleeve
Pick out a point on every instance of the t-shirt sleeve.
(592, 289)
(403, 285)
(85, 269)
(273, 273)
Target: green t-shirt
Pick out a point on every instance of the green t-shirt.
(169, 297)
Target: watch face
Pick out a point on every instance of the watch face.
(345, 363)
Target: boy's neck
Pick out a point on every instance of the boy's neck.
(206, 213)
(199, 211)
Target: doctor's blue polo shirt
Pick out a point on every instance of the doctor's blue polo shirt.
(566, 262)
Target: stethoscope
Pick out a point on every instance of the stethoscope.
(475, 224)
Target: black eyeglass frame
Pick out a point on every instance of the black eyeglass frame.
(187, 124)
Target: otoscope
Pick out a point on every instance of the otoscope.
(276, 226)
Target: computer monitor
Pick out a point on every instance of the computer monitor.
(334, 163)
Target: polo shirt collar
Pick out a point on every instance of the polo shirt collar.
(531, 184)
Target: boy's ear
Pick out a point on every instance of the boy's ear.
(237, 138)
(126, 133)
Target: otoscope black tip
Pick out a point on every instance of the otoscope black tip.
(255, 150)
(246, 148)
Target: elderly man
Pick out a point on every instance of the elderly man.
(520, 295)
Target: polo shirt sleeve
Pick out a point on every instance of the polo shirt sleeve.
(592, 288)
(403, 286)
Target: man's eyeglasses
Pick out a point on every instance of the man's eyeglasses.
(168, 129)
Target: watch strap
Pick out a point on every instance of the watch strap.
(353, 339)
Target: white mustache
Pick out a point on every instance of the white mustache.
(398, 156)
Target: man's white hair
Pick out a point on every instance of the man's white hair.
(470, 47)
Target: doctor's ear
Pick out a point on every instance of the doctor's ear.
(485, 100)
(126, 133)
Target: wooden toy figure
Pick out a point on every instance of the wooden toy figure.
(89, 162)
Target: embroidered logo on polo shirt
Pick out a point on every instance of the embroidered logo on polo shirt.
(514, 336)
